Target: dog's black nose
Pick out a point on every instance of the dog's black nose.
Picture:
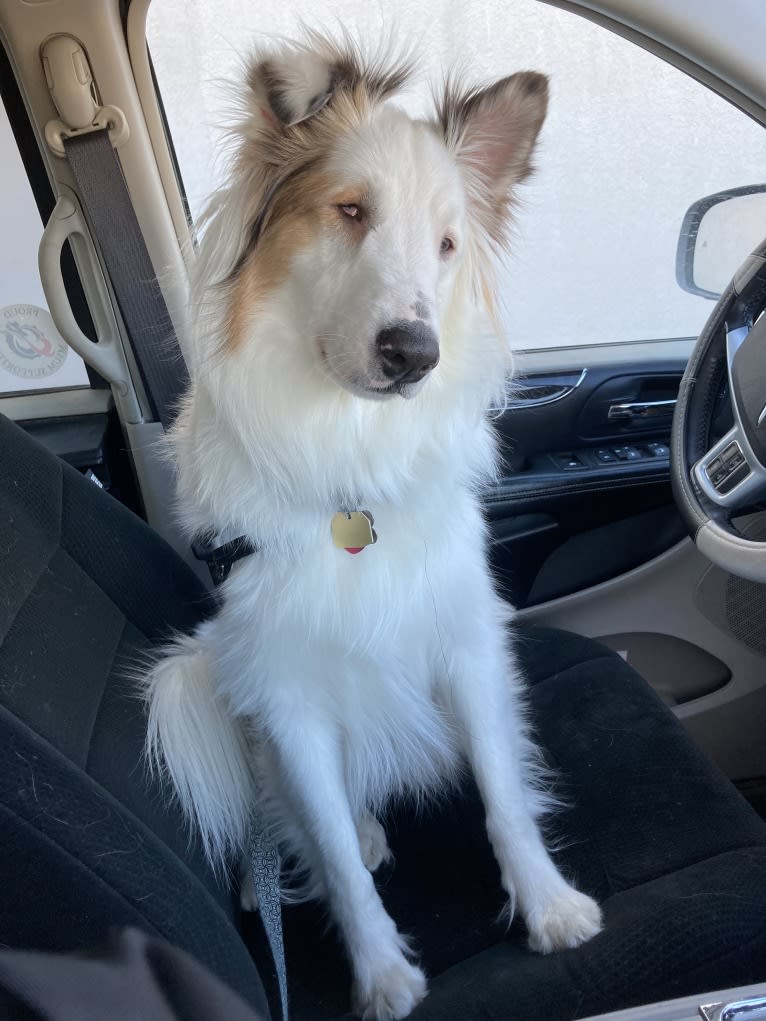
(408, 351)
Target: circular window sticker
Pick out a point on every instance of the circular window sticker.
(30, 345)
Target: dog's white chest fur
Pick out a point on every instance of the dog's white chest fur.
(364, 640)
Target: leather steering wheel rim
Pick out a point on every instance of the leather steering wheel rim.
(711, 484)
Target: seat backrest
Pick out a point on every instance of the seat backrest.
(89, 840)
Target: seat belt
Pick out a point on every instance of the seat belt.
(106, 201)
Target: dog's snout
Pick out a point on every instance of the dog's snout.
(408, 351)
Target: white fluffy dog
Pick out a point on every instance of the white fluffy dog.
(345, 355)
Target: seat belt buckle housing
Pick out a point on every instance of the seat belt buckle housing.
(74, 93)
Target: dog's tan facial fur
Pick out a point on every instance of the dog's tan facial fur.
(306, 206)
(292, 157)
(325, 162)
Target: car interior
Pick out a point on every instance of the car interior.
(628, 528)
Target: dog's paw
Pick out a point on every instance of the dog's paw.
(566, 922)
(248, 898)
(372, 842)
(391, 993)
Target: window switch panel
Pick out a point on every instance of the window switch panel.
(568, 461)
(627, 453)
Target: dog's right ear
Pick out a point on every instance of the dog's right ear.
(492, 133)
(292, 85)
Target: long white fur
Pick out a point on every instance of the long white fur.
(329, 682)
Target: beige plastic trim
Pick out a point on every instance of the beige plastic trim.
(107, 356)
(715, 43)
(685, 1009)
(569, 359)
(56, 403)
(744, 557)
(659, 597)
(153, 467)
(139, 59)
(73, 91)
(97, 26)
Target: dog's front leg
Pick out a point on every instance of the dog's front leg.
(485, 693)
(386, 985)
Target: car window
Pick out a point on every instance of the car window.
(33, 355)
(630, 143)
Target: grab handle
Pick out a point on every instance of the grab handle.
(107, 356)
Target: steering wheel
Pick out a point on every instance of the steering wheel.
(714, 484)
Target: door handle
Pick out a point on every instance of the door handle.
(539, 389)
(751, 1009)
(640, 411)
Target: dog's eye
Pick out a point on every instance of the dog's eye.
(353, 212)
(447, 246)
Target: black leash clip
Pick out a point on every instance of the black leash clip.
(221, 559)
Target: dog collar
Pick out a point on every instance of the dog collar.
(351, 531)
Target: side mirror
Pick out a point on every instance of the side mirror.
(717, 234)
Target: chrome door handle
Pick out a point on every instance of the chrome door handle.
(741, 1010)
(640, 410)
(539, 389)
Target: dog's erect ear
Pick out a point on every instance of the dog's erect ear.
(292, 85)
(296, 82)
(493, 134)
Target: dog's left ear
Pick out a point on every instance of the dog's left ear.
(493, 134)
(292, 85)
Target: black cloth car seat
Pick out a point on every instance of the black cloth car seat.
(91, 842)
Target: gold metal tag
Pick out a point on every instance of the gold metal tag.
(352, 530)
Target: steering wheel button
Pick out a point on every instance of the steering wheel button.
(733, 478)
(713, 467)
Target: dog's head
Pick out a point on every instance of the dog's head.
(352, 226)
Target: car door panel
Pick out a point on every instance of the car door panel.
(584, 493)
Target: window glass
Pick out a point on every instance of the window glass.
(630, 143)
(33, 355)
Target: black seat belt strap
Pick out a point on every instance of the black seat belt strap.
(106, 201)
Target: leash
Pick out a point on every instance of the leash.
(263, 853)
(351, 531)
(221, 559)
(265, 870)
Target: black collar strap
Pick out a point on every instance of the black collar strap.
(220, 559)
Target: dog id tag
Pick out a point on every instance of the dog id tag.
(352, 530)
